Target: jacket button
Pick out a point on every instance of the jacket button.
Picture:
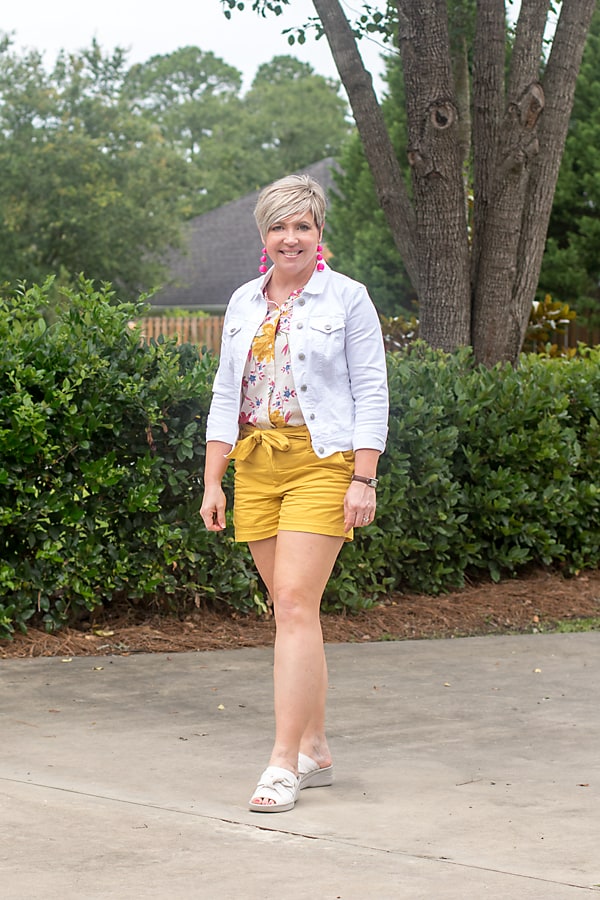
(328, 328)
(301, 356)
(312, 416)
(321, 451)
(303, 387)
(301, 301)
(300, 325)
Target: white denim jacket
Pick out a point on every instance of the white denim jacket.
(337, 358)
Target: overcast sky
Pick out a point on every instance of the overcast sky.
(154, 26)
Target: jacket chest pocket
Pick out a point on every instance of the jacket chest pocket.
(327, 335)
(231, 331)
(237, 338)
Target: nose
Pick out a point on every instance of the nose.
(290, 236)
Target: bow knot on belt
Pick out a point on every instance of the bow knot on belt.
(271, 439)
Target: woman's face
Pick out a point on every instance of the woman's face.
(292, 245)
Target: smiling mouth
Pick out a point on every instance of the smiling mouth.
(291, 253)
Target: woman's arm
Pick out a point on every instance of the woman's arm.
(214, 501)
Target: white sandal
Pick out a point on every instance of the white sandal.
(311, 775)
(276, 784)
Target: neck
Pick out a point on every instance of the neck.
(279, 289)
(281, 283)
(274, 295)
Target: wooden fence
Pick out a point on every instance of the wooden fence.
(582, 334)
(204, 331)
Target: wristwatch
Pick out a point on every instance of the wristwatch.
(371, 482)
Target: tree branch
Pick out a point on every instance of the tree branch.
(527, 50)
(488, 105)
(378, 148)
(559, 90)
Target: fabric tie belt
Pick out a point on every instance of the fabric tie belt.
(270, 438)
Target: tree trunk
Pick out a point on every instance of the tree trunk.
(496, 321)
(488, 106)
(436, 160)
(512, 231)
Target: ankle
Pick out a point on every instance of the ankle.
(318, 750)
(285, 761)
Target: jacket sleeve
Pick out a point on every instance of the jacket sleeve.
(366, 359)
(222, 421)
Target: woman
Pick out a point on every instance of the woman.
(300, 402)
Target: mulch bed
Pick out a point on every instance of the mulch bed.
(534, 602)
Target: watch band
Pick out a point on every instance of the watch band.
(364, 479)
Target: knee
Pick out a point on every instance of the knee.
(292, 608)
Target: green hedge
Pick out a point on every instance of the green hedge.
(102, 446)
(486, 470)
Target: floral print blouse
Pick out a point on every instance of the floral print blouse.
(269, 398)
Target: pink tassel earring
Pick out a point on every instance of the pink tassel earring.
(320, 263)
(263, 261)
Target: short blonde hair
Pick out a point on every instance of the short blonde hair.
(290, 196)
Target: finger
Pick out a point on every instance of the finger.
(218, 519)
(210, 519)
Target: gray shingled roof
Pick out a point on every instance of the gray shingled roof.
(221, 251)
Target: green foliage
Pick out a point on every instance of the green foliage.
(486, 471)
(102, 446)
(290, 118)
(549, 327)
(100, 452)
(571, 263)
(399, 331)
(101, 163)
(281, 94)
(85, 184)
(183, 93)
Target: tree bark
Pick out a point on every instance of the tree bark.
(560, 80)
(379, 151)
(434, 154)
(511, 235)
(496, 323)
(488, 106)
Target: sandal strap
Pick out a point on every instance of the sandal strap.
(277, 784)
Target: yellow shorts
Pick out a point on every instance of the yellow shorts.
(282, 485)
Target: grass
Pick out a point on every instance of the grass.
(568, 626)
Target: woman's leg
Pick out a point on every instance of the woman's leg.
(295, 566)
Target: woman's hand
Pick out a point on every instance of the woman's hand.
(213, 502)
(213, 507)
(359, 505)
